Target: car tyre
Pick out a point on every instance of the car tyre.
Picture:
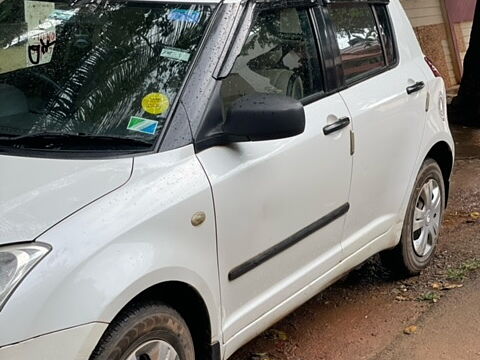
(146, 331)
(421, 226)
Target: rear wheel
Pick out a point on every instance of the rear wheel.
(148, 331)
(421, 225)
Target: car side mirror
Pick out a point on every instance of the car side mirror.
(264, 117)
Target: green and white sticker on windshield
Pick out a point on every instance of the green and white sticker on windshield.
(142, 125)
(175, 54)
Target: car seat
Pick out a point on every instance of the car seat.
(15, 116)
(269, 67)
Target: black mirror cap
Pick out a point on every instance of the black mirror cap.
(260, 117)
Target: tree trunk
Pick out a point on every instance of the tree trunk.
(467, 103)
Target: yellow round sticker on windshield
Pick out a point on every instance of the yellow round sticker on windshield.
(155, 103)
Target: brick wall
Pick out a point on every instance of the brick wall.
(431, 27)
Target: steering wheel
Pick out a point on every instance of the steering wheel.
(29, 76)
(44, 78)
(295, 88)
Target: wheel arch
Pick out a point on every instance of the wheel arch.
(443, 155)
(188, 302)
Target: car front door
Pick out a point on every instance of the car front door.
(279, 204)
(384, 93)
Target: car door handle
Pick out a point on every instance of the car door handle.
(415, 87)
(336, 126)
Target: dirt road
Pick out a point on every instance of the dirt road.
(367, 315)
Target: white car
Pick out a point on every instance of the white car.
(177, 176)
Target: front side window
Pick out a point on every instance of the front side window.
(93, 75)
(358, 39)
(280, 56)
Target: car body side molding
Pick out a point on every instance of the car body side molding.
(259, 259)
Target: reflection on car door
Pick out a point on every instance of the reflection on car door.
(280, 204)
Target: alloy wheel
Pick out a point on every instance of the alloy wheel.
(154, 350)
(426, 218)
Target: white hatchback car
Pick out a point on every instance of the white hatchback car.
(176, 176)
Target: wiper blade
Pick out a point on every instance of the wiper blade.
(9, 137)
(55, 139)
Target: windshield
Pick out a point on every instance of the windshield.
(97, 70)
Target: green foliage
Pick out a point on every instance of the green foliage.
(461, 273)
(354, 22)
(430, 296)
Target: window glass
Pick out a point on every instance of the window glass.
(358, 39)
(279, 57)
(93, 70)
(387, 33)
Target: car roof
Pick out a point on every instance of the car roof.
(238, 1)
(194, 1)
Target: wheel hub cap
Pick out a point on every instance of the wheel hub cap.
(429, 216)
(154, 350)
(426, 218)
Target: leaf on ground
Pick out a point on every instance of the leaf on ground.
(260, 356)
(445, 286)
(475, 215)
(449, 286)
(412, 329)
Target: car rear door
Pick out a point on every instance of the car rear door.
(384, 91)
(279, 204)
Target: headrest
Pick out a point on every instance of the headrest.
(290, 22)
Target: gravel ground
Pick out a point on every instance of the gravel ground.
(371, 315)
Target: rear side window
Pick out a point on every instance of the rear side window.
(280, 56)
(358, 38)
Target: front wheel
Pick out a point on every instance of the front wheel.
(147, 331)
(422, 223)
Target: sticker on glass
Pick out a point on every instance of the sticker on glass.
(189, 16)
(155, 103)
(41, 32)
(62, 15)
(145, 126)
(175, 54)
